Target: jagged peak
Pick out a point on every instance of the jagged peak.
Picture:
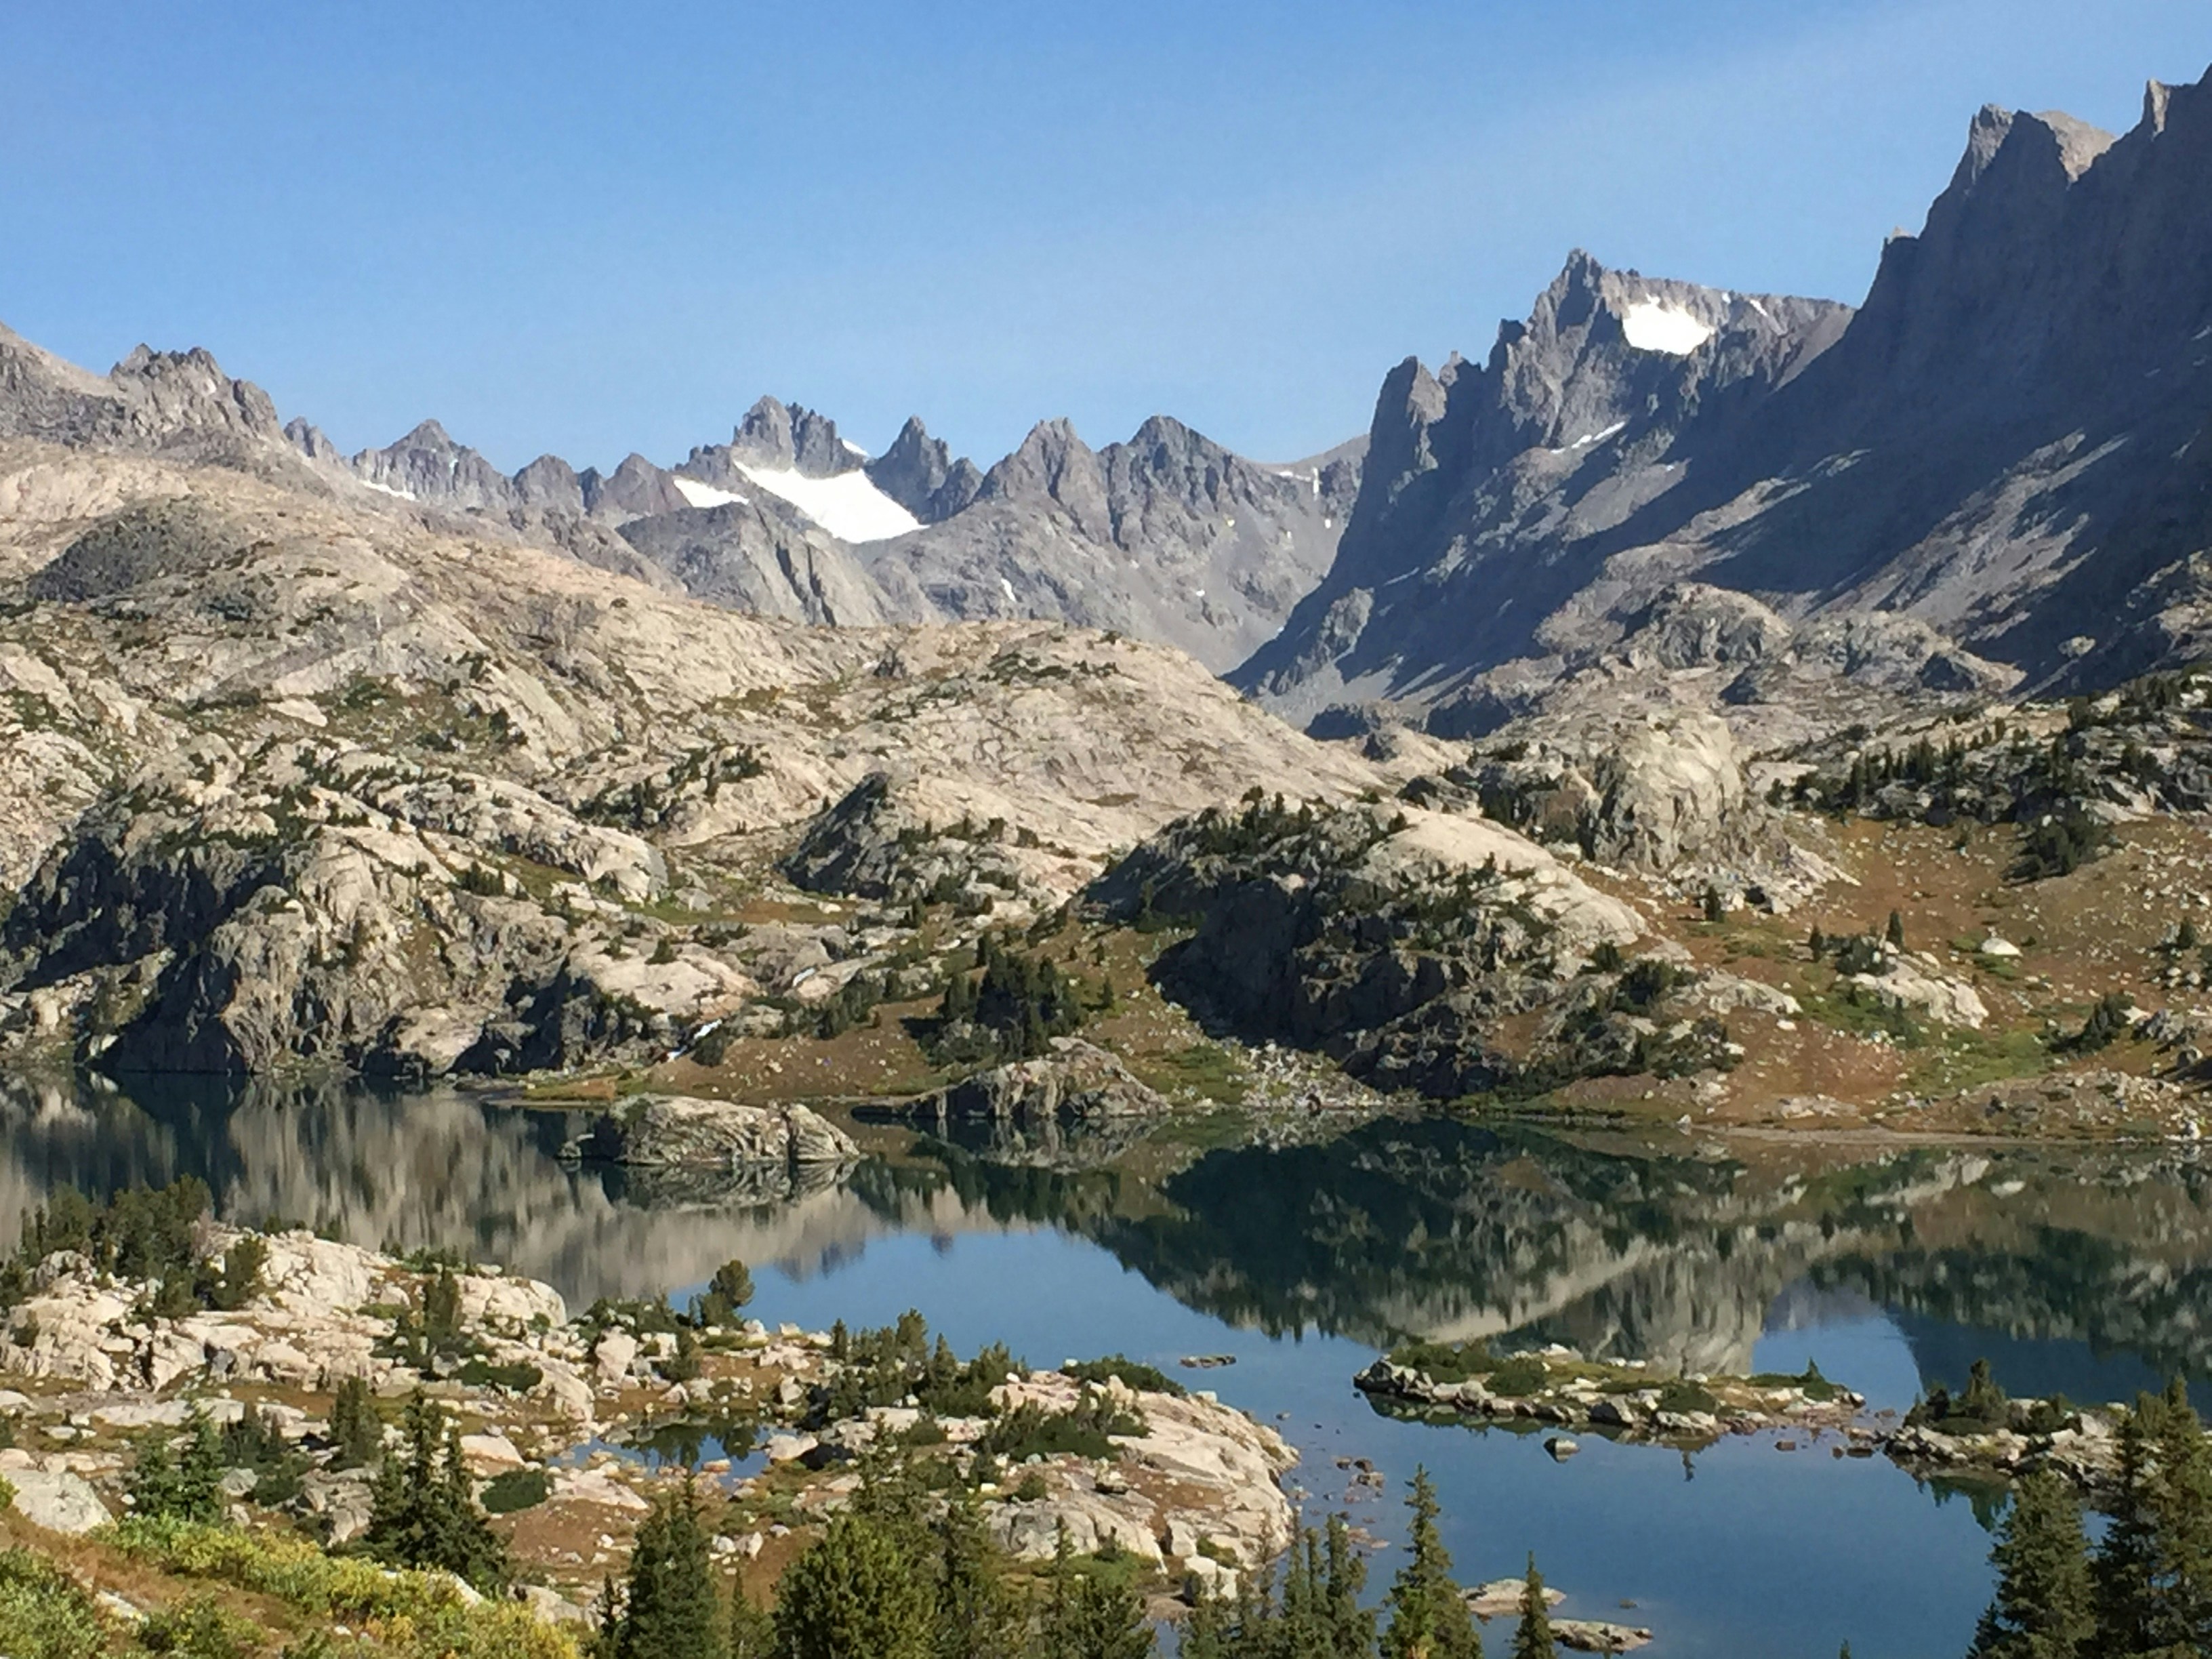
(426, 435)
(2158, 98)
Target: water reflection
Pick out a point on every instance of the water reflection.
(2085, 1270)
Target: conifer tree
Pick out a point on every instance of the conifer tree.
(2181, 1508)
(1208, 1633)
(668, 1607)
(423, 1509)
(186, 1485)
(1895, 932)
(854, 1592)
(354, 1426)
(1088, 1616)
(1351, 1626)
(2126, 1563)
(1532, 1639)
(1429, 1618)
(2043, 1608)
(977, 1615)
(752, 1629)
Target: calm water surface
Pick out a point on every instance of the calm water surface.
(2084, 1272)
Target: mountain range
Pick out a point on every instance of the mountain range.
(2006, 441)
(2004, 445)
(1169, 536)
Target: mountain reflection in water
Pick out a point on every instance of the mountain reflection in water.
(2085, 1269)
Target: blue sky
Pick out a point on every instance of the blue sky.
(594, 229)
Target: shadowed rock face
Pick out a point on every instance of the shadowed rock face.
(2000, 443)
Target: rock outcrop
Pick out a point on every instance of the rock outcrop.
(1077, 1082)
(676, 1131)
(1405, 944)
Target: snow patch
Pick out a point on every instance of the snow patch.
(847, 504)
(1007, 588)
(1660, 326)
(853, 449)
(702, 495)
(1612, 431)
(386, 490)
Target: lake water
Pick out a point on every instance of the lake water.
(2085, 1272)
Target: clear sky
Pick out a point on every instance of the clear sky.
(590, 229)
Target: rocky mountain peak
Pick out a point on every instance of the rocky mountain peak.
(1054, 464)
(791, 437)
(636, 489)
(920, 473)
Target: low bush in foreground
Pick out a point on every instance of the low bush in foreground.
(418, 1614)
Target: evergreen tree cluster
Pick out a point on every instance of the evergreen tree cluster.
(423, 1511)
(1012, 1011)
(1311, 1608)
(884, 1367)
(2146, 1591)
(140, 1233)
(181, 1479)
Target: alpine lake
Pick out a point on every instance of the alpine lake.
(1301, 1256)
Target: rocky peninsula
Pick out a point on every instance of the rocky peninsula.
(570, 1425)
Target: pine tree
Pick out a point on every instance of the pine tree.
(977, 1615)
(2126, 1561)
(729, 1290)
(1209, 1632)
(2043, 1608)
(1429, 1618)
(423, 1509)
(854, 1592)
(167, 1483)
(752, 1629)
(355, 1428)
(1351, 1626)
(1089, 1616)
(1895, 932)
(1532, 1639)
(2181, 1509)
(669, 1607)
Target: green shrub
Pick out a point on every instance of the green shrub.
(520, 1376)
(1443, 1362)
(1523, 1374)
(1086, 1431)
(44, 1613)
(1133, 1373)
(1683, 1396)
(350, 1590)
(199, 1629)
(2058, 844)
(517, 1489)
(1812, 1384)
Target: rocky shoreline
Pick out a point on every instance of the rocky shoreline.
(1625, 1401)
(1123, 1458)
